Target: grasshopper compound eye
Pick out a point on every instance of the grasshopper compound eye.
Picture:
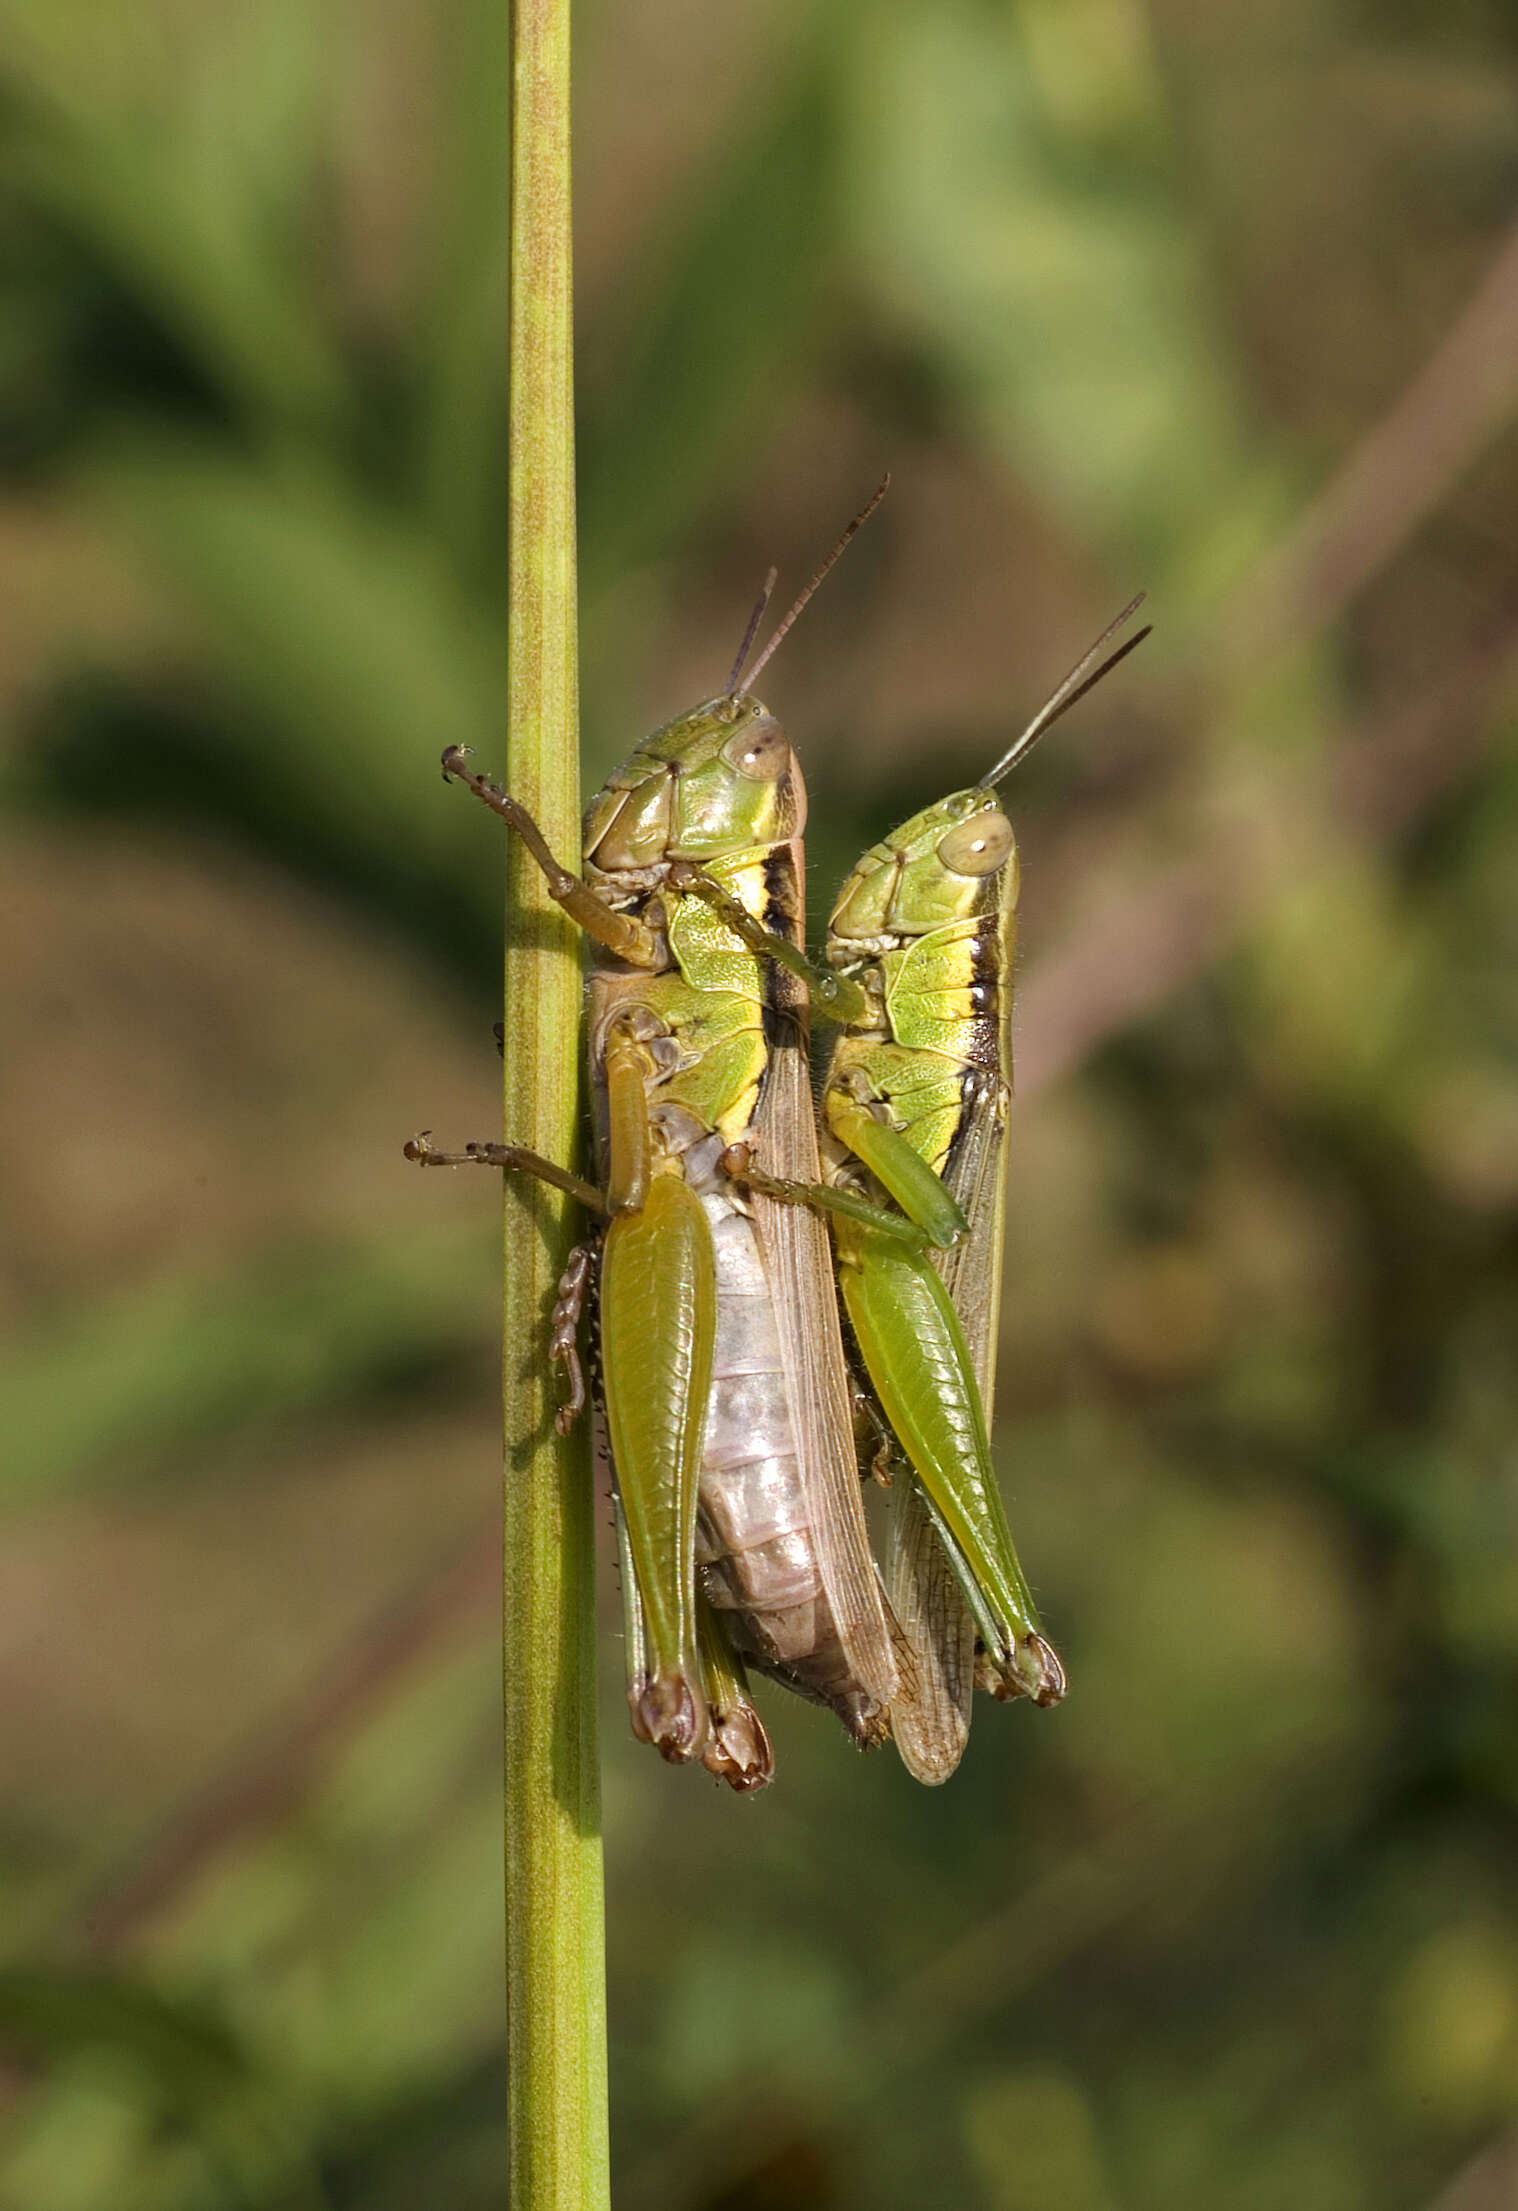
(760, 750)
(978, 846)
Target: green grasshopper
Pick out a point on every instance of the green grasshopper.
(914, 1105)
(727, 1401)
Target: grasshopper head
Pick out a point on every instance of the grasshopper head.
(956, 861)
(717, 781)
(720, 779)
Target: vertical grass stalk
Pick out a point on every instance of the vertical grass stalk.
(555, 1972)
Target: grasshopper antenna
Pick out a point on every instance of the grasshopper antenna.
(1075, 686)
(751, 632)
(830, 563)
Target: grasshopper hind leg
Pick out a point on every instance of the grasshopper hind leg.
(564, 1331)
(738, 1749)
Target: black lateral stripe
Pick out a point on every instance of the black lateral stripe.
(779, 987)
(988, 980)
(986, 967)
(780, 901)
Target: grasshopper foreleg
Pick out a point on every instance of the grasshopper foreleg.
(738, 1749)
(511, 1159)
(630, 939)
(899, 1170)
(834, 997)
(820, 1197)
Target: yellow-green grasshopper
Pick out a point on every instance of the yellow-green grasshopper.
(727, 1401)
(914, 1105)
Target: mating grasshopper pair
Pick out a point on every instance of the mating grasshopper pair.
(736, 1429)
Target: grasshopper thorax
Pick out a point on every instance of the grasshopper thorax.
(955, 861)
(721, 779)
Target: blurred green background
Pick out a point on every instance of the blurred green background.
(1218, 299)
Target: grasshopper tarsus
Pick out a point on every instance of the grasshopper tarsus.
(509, 1159)
(1051, 1667)
(877, 1445)
(747, 1784)
(424, 1153)
(737, 1163)
(1033, 1669)
(669, 1711)
(563, 1342)
(739, 1752)
(869, 1725)
(500, 801)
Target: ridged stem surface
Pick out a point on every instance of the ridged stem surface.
(554, 1931)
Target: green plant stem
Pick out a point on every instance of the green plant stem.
(555, 1969)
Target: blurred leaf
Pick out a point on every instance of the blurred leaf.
(194, 2071)
(138, 197)
(679, 389)
(144, 1379)
(191, 2054)
(463, 333)
(1452, 2022)
(1034, 2143)
(340, 621)
(1012, 188)
(779, 2013)
(253, 131)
